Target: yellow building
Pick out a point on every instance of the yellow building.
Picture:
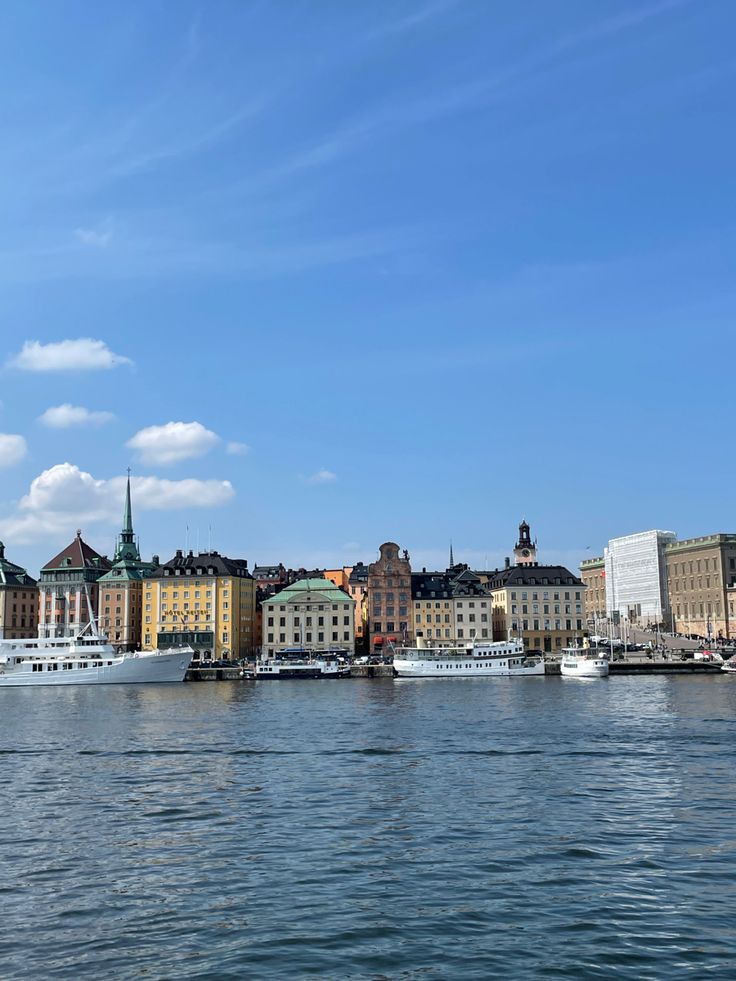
(542, 604)
(207, 601)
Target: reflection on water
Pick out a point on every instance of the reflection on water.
(516, 828)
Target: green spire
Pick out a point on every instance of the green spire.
(128, 514)
(127, 550)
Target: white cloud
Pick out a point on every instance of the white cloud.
(64, 497)
(173, 442)
(94, 237)
(321, 477)
(82, 354)
(12, 450)
(238, 449)
(64, 416)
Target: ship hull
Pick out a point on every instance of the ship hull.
(130, 669)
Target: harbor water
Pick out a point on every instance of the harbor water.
(370, 829)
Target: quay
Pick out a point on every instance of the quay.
(552, 667)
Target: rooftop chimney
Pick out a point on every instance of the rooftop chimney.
(507, 563)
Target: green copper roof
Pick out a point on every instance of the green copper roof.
(302, 586)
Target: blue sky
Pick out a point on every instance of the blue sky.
(406, 270)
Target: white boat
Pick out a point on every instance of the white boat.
(583, 662)
(299, 662)
(503, 658)
(86, 660)
(729, 666)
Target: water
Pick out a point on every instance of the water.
(504, 828)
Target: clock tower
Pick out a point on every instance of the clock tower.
(525, 551)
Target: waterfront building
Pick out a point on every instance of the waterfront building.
(206, 600)
(120, 611)
(313, 613)
(450, 607)
(636, 578)
(18, 601)
(593, 575)
(700, 573)
(353, 579)
(68, 589)
(542, 604)
(389, 598)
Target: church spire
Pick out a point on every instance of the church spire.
(128, 513)
(452, 560)
(127, 548)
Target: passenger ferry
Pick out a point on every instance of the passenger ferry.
(300, 662)
(502, 658)
(583, 662)
(86, 660)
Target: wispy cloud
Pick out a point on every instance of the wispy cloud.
(237, 449)
(81, 354)
(150, 158)
(411, 21)
(65, 416)
(12, 449)
(99, 237)
(320, 477)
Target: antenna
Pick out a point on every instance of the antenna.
(186, 541)
(209, 538)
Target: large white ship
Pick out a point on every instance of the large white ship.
(502, 658)
(86, 660)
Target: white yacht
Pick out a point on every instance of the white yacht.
(472, 661)
(299, 662)
(583, 662)
(729, 666)
(86, 660)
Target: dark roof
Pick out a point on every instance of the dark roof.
(359, 573)
(77, 555)
(445, 585)
(268, 571)
(203, 564)
(12, 574)
(534, 575)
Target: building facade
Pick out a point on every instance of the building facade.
(450, 608)
(69, 590)
(353, 580)
(636, 578)
(593, 576)
(207, 601)
(544, 605)
(700, 572)
(311, 613)
(18, 601)
(389, 598)
(120, 611)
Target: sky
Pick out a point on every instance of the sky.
(328, 274)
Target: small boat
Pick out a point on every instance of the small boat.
(583, 662)
(502, 658)
(87, 659)
(299, 662)
(729, 666)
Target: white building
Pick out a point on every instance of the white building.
(312, 613)
(636, 577)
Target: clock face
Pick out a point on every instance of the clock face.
(525, 551)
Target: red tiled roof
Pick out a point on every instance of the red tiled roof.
(81, 555)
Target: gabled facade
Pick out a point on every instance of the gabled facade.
(69, 590)
(311, 613)
(18, 601)
(389, 598)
